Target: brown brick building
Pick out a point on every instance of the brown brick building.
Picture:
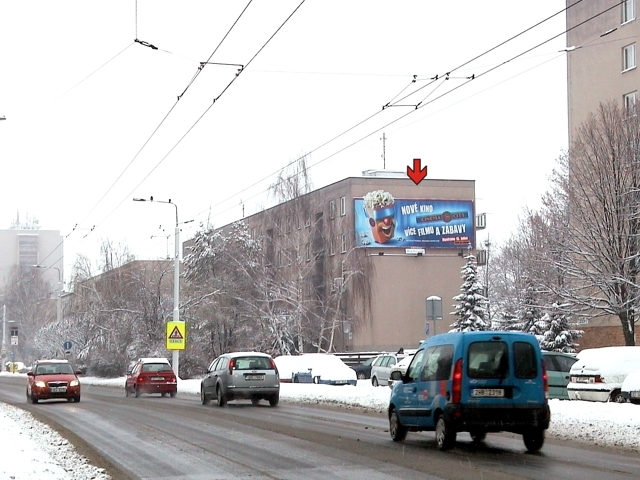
(379, 264)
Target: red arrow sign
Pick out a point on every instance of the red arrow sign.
(417, 173)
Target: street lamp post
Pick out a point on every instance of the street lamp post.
(4, 329)
(59, 295)
(175, 354)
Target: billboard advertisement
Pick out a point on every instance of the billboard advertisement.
(384, 221)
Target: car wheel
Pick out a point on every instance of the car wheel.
(222, 401)
(255, 401)
(34, 400)
(173, 394)
(617, 397)
(136, 392)
(163, 394)
(374, 381)
(126, 391)
(70, 399)
(273, 401)
(78, 399)
(295, 379)
(316, 380)
(478, 435)
(397, 431)
(533, 440)
(445, 436)
(362, 376)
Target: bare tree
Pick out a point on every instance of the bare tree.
(595, 193)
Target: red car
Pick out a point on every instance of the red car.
(53, 379)
(151, 375)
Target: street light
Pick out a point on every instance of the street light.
(175, 354)
(58, 304)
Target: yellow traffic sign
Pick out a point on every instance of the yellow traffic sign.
(176, 335)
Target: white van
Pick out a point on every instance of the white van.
(598, 374)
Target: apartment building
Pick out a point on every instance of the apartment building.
(601, 49)
(601, 56)
(378, 246)
(24, 244)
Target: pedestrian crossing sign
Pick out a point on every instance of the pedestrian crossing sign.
(176, 335)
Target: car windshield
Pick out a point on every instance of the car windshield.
(54, 369)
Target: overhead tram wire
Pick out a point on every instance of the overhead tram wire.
(165, 117)
(433, 80)
(386, 125)
(83, 80)
(245, 66)
(564, 10)
(203, 113)
(419, 106)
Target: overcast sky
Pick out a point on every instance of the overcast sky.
(94, 118)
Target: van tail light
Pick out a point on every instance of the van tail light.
(598, 379)
(456, 389)
(141, 378)
(172, 379)
(545, 380)
(273, 365)
(232, 364)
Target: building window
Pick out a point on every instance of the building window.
(307, 252)
(343, 206)
(332, 209)
(343, 243)
(628, 11)
(332, 246)
(630, 102)
(27, 250)
(629, 57)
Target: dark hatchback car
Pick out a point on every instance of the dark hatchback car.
(53, 379)
(151, 375)
(363, 371)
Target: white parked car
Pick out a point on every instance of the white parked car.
(598, 374)
(322, 368)
(631, 387)
(401, 366)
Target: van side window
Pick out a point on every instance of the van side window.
(488, 360)
(525, 360)
(437, 365)
(415, 367)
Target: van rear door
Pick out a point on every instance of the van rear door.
(501, 373)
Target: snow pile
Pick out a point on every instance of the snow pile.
(35, 451)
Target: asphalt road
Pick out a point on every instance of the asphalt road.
(154, 437)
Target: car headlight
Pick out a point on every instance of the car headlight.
(40, 384)
(74, 383)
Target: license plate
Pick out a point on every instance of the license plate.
(157, 379)
(58, 389)
(635, 394)
(581, 380)
(487, 392)
(340, 382)
(254, 377)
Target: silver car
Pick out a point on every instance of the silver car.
(381, 367)
(241, 375)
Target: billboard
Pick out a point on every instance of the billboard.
(384, 221)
